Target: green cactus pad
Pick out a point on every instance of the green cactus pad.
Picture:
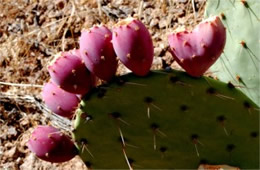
(240, 62)
(190, 121)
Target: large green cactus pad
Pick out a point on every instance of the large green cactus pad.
(240, 62)
(167, 120)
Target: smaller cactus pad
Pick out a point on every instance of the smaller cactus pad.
(240, 61)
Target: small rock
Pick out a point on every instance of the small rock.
(12, 131)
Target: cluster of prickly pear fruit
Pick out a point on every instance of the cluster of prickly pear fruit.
(74, 73)
(161, 114)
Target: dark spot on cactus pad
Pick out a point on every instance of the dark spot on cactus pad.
(223, 16)
(154, 126)
(83, 115)
(120, 139)
(120, 81)
(194, 137)
(84, 141)
(204, 161)
(115, 115)
(101, 93)
(230, 85)
(131, 161)
(244, 2)
(81, 107)
(86, 116)
(254, 134)
(184, 107)
(163, 149)
(89, 117)
(230, 147)
(88, 164)
(211, 90)
(87, 96)
(76, 151)
(174, 79)
(167, 68)
(148, 99)
(247, 104)
(210, 76)
(221, 118)
(243, 43)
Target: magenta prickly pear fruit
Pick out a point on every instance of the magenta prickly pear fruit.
(51, 145)
(133, 45)
(97, 52)
(59, 101)
(196, 51)
(70, 73)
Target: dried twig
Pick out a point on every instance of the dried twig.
(21, 85)
(55, 120)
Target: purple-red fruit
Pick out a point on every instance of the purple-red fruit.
(94, 79)
(59, 101)
(133, 45)
(69, 72)
(196, 51)
(51, 145)
(98, 53)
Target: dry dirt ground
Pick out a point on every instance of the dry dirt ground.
(33, 31)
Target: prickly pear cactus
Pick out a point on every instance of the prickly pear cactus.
(167, 120)
(241, 58)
